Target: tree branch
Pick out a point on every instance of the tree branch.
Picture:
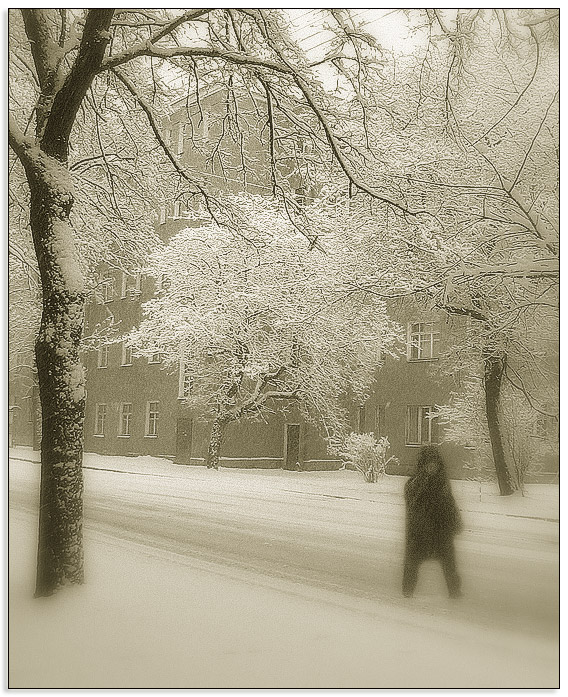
(147, 48)
(463, 311)
(66, 103)
(41, 41)
(521, 388)
(519, 96)
(547, 17)
(532, 143)
(188, 16)
(332, 140)
(18, 141)
(158, 135)
(545, 268)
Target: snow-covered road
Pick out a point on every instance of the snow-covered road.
(330, 538)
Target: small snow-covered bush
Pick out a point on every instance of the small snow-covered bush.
(367, 455)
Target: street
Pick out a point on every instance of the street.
(284, 529)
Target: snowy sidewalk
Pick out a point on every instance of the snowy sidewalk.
(149, 618)
(541, 501)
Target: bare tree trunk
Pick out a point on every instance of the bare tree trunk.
(494, 366)
(216, 441)
(61, 380)
(60, 541)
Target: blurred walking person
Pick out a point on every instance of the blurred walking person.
(432, 521)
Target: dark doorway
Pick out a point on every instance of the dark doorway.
(183, 441)
(292, 461)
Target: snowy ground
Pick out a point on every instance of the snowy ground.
(266, 578)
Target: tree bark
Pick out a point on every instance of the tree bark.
(216, 441)
(60, 377)
(494, 367)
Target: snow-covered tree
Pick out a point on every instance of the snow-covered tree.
(475, 133)
(501, 98)
(257, 323)
(532, 440)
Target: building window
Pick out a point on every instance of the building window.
(380, 428)
(107, 290)
(155, 358)
(177, 209)
(126, 354)
(184, 384)
(102, 357)
(125, 418)
(545, 427)
(421, 426)
(168, 137)
(301, 196)
(100, 419)
(123, 285)
(181, 138)
(202, 127)
(131, 285)
(163, 215)
(361, 420)
(152, 414)
(423, 341)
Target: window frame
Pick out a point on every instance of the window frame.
(205, 124)
(126, 353)
(134, 288)
(361, 418)
(184, 380)
(151, 360)
(122, 432)
(107, 289)
(380, 421)
(414, 341)
(420, 418)
(98, 412)
(150, 420)
(102, 351)
(180, 139)
(124, 285)
(545, 427)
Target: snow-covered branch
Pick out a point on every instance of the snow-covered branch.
(232, 57)
(147, 109)
(40, 28)
(20, 143)
(68, 97)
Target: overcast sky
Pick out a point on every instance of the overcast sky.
(390, 27)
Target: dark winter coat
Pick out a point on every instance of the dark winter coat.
(432, 517)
